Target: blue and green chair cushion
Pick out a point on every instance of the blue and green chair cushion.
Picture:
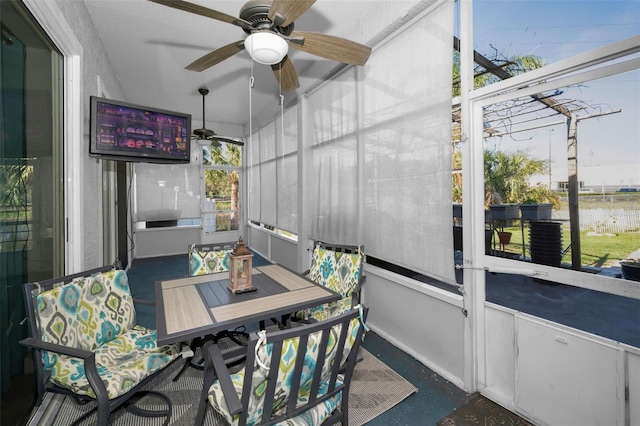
(338, 268)
(208, 259)
(97, 314)
(258, 381)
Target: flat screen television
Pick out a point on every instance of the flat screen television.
(126, 132)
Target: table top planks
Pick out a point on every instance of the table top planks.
(200, 305)
(271, 303)
(184, 306)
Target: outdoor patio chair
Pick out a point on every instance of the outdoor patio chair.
(209, 258)
(338, 267)
(86, 344)
(291, 376)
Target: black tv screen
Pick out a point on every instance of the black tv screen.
(127, 132)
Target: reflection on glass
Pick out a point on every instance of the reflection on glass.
(32, 237)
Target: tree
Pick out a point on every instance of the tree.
(16, 182)
(507, 176)
(456, 161)
(505, 67)
(224, 182)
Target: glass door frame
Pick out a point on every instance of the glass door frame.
(219, 236)
(52, 20)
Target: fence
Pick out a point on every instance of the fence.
(605, 220)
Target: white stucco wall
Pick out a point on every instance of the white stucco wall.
(94, 63)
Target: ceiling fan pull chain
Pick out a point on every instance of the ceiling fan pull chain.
(251, 147)
(284, 180)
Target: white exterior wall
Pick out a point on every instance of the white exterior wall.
(422, 320)
(70, 27)
(607, 176)
(95, 65)
(556, 375)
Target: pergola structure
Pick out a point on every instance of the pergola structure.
(516, 116)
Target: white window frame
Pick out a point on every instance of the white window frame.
(575, 70)
(220, 236)
(55, 25)
(475, 263)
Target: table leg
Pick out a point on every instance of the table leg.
(286, 321)
(195, 343)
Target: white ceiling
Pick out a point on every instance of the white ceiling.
(150, 44)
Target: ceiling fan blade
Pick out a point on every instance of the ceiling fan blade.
(333, 48)
(215, 57)
(228, 140)
(204, 11)
(289, 10)
(286, 74)
(215, 140)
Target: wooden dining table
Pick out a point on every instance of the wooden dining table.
(200, 306)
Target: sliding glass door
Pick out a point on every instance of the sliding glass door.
(31, 208)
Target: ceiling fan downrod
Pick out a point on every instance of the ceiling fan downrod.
(204, 92)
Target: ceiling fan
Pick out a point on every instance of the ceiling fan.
(209, 136)
(269, 25)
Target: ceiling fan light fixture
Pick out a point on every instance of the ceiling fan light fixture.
(266, 47)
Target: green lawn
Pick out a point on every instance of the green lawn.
(597, 250)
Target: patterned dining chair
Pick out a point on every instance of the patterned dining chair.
(209, 258)
(86, 343)
(297, 376)
(339, 268)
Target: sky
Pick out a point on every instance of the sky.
(556, 30)
(553, 29)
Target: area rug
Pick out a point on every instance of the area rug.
(375, 388)
(482, 411)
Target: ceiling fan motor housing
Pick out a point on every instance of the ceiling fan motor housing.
(257, 13)
(269, 39)
(203, 133)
